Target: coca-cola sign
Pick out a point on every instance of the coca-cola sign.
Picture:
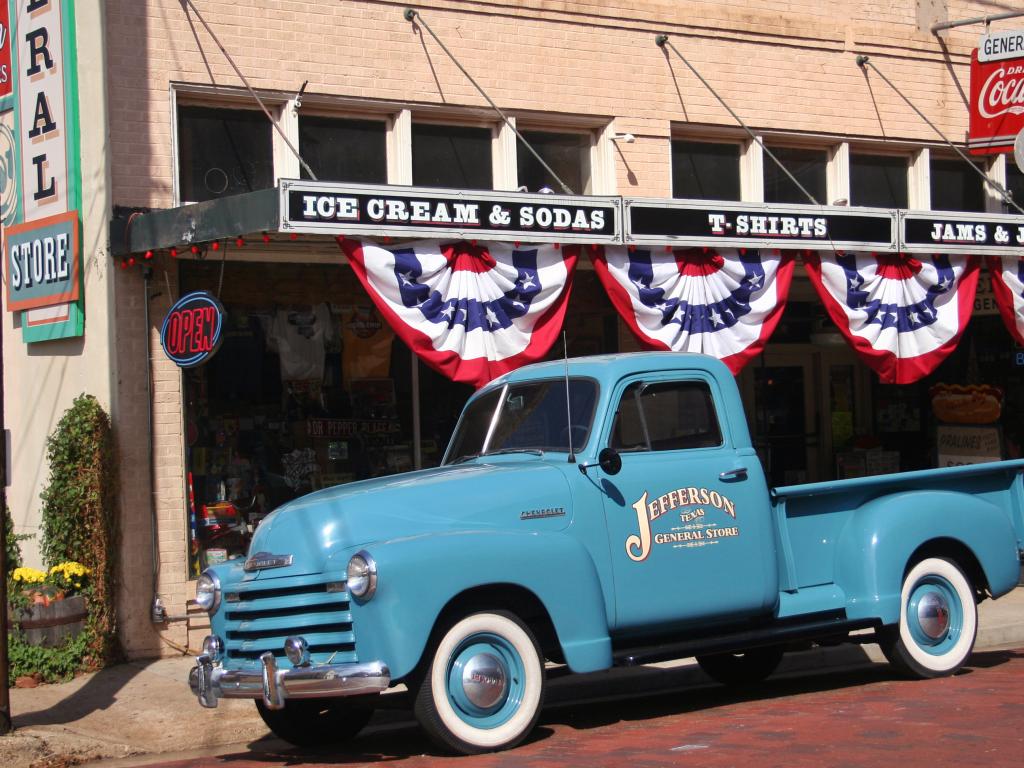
(997, 102)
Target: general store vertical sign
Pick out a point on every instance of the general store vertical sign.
(42, 251)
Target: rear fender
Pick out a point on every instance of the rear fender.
(877, 543)
(419, 576)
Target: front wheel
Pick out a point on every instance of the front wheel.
(938, 621)
(484, 686)
(315, 722)
(746, 668)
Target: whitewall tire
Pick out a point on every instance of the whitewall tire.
(483, 688)
(938, 621)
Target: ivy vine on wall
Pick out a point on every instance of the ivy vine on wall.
(79, 516)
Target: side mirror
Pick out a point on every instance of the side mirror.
(609, 461)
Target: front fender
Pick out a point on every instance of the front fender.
(876, 545)
(418, 576)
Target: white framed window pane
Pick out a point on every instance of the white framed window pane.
(878, 180)
(567, 154)
(808, 166)
(223, 152)
(705, 170)
(340, 149)
(956, 187)
(451, 156)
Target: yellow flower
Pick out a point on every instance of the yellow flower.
(28, 575)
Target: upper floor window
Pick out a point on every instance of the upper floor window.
(705, 171)
(451, 156)
(223, 152)
(666, 416)
(878, 180)
(1015, 186)
(956, 187)
(567, 154)
(807, 166)
(344, 150)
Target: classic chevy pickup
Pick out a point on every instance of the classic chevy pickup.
(598, 512)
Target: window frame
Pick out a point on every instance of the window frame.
(709, 388)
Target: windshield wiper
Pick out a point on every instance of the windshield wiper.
(465, 457)
(533, 451)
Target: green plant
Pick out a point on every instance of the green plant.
(79, 514)
(51, 665)
(11, 540)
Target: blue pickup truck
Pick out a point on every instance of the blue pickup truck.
(596, 512)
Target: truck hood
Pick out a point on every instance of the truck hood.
(510, 493)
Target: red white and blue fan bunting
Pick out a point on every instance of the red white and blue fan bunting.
(471, 312)
(902, 315)
(1008, 287)
(724, 303)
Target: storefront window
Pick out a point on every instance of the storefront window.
(705, 171)
(878, 180)
(807, 165)
(344, 150)
(567, 154)
(451, 156)
(223, 152)
(956, 187)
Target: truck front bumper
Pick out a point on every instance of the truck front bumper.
(210, 683)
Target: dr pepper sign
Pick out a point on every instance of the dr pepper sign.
(193, 329)
(997, 92)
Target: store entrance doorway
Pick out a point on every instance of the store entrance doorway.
(805, 405)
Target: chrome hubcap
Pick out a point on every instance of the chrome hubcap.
(933, 615)
(484, 680)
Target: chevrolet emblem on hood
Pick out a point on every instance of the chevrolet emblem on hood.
(262, 560)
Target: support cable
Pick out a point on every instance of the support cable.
(252, 93)
(414, 16)
(863, 62)
(663, 41)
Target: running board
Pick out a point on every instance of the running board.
(738, 641)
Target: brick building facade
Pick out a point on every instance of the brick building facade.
(589, 69)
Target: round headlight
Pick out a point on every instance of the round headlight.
(362, 575)
(208, 592)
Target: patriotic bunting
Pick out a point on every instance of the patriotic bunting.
(724, 303)
(471, 312)
(902, 315)
(1008, 287)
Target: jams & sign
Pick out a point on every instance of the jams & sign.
(192, 330)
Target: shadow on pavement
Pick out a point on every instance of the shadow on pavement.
(99, 692)
(584, 702)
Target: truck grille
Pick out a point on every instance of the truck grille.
(259, 615)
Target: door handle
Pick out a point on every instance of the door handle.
(740, 473)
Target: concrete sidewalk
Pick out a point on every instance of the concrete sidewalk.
(146, 708)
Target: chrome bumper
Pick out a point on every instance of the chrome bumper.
(211, 683)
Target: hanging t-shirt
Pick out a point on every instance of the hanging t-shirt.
(299, 338)
(366, 344)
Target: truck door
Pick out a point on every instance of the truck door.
(688, 515)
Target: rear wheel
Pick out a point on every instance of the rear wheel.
(484, 686)
(938, 621)
(313, 722)
(746, 668)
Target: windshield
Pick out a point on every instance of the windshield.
(527, 417)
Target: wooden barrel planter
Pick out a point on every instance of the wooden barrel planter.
(51, 625)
